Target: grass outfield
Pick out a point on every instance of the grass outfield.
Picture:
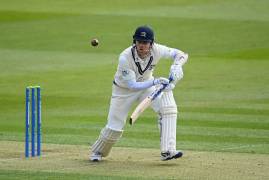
(223, 98)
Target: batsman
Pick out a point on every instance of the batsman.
(133, 82)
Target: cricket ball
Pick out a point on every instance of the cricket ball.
(94, 42)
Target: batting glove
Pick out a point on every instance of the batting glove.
(176, 73)
(160, 80)
(169, 87)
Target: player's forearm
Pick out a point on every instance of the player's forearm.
(176, 72)
(140, 85)
(132, 84)
(179, 57)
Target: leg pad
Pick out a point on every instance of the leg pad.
(108, 137)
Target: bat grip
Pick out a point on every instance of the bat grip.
(170, 79)
(156, 94)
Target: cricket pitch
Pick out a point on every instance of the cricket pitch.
(131, 163)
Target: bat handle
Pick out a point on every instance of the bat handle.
(170, 79)
(155, 94)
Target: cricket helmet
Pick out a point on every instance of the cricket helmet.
(143, 33)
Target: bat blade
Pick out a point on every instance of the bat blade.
(140, 109)
(145, 104)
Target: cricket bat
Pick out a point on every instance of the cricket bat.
(146, 103)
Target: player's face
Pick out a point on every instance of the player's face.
(143, 48)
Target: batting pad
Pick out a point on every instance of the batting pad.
(168, 122)
(168, 104)
(168, 132)
(106, 140)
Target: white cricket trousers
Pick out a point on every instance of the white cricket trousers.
(122, 100)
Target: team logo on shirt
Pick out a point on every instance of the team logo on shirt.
(140, 79)
(125, 73)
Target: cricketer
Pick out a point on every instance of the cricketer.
(133, 82)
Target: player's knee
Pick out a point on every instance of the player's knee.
(168, 104)
(166, 110)
(110, 135)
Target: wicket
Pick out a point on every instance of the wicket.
(35, 93)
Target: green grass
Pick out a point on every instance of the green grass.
(70, 162)
(14, 174)
(223, 99)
